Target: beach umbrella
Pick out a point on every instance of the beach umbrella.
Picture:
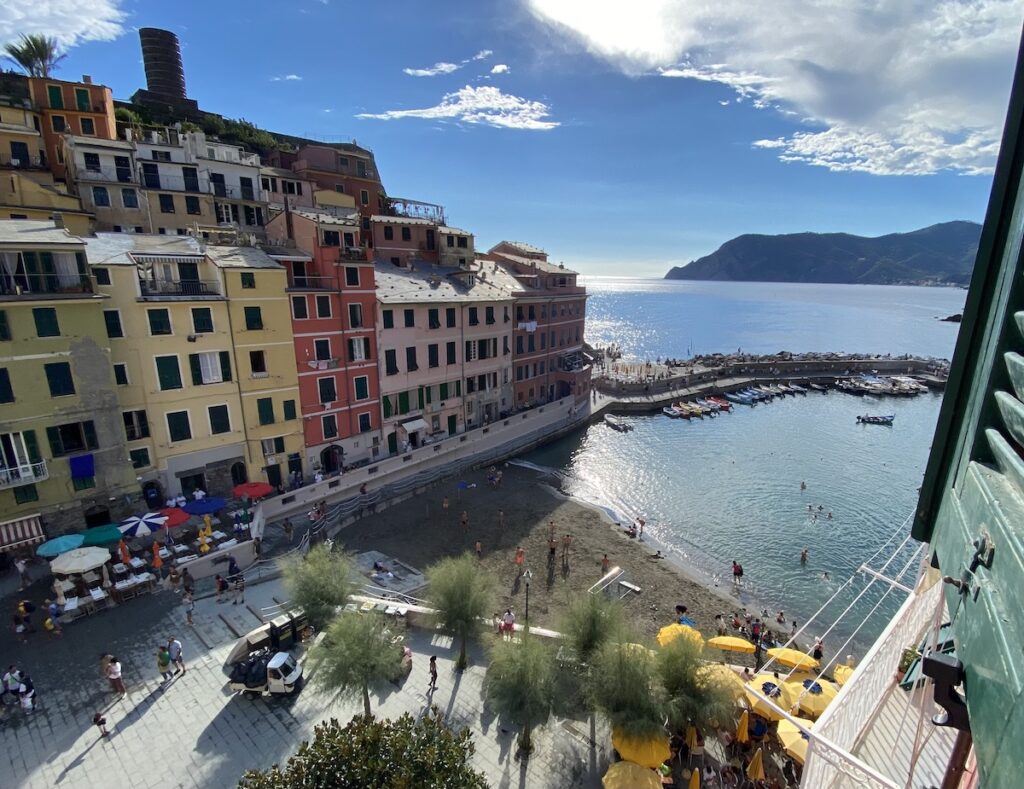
(203, 547)
(205, 506)
(175, 516)
(101, 535)
(157, 561)
(743, 728)
(252, 490)
(813, 696)
(691, 737)
(755, 770)
(670, 633)
(794, 739)
(122, 550)
(842, 674)
(793, 658)
(695, 780)
(781, 694)
(725, 677)
(627, 775)
(732, 644)
(142, 525)
(79, 560)
(648, 751)
(59, 545)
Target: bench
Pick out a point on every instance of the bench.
(629, 587)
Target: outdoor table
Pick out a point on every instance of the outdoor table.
(180, 549)
(165, 554)
(71, 609)
(120, 568)
(65, 585)
(219, 535)
(137, 563)
(97, 595)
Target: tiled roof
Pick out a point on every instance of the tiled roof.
(529, 248)
(325, 218)
(454, 231)
(33, 231)
(280, 172)
(541, 265)
(440, 285)
(240, 257)
(114, 249)
(402, 220)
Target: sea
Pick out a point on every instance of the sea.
(729, 488)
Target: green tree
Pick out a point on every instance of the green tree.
(462, 593)
(626, 689)
(213, 125)
(693, 694)
(357, 651)
(519, 684)
(399, 754)
(37, 54)
(318, 583)
(589, 622)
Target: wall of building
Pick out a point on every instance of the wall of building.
(68, 116)
(24, 197)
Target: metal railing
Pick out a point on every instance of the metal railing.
(185, 287)
(23, 163)
(23, 474)
(34, 284)
(311, 282)
(121, 175)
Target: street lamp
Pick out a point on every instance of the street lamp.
(526, 578)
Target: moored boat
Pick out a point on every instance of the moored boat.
(669, 411)
(616, 423)
(876, 420)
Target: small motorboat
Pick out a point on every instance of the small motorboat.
(876, 420)
(670, 412)
(616, 423)
(709, 403)
(682, 413)
(819, 388)
(691, 408)
(725, 405)
(797, 389)
(739, 399)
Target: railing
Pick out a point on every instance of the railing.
(174, 288)
(121, 175)
(23, 474)
(25, 163)
(324, 364)
(311, 282)
(30, 285)
(353, 253)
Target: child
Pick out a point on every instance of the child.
(100, 723)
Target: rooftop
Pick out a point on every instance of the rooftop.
(117, 249)
(281, 172)
(441, 285)
(241, 257)
(540, 265)
(95, 142)
(26, 232)
(402, 220)
(325, 217)
(529, 248)
(454, 231)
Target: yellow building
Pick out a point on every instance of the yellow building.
(63, 461)
(198, 338)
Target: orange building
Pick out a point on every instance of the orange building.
(79, 108)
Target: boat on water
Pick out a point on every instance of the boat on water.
(875, 420)
(797, 389)
(738, 398)
(670, 412)
(704, 402)
(723, 404)
(691, 408)
(819, 388)
(682, 413)
(617, 423)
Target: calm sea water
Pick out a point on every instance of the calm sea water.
(727, 488)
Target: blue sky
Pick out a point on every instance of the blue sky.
(622, 139)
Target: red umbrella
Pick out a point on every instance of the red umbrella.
(175, 516)
(252, 490)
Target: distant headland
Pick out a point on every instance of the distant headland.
(941, 254)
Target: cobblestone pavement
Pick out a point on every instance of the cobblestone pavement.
(195, 733)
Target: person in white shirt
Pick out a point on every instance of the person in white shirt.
(180, 501)
(199, 494)
(318, 477)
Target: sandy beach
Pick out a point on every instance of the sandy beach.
(418, 532)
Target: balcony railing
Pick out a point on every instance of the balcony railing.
(187, 288)
(324, 364)
(11, 476)
(119, 174)
(26, 163)
(30, 285)
(311, 282)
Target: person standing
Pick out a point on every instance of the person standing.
(520, 558)
(465, 521)
(163, 664)
(289, 530)
(552, 549)
(819, 649)
(479, 550)
(803, 556)
(444, 506)
(100, 723)
(239, 590)
(114, 675)
(188, 583)
(501, 519)
(433, 673)
(22, 567)
(737, 573)
(11, 682)
(175, 651)
(566, 544)
(604, 565)
(190, 606)
(27, 693)
(222, 586)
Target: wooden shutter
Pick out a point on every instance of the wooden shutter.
(89, 429)
(225, 365)
(53, 438)
(197, 369)
(31, 446)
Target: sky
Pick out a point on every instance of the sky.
(622, 138)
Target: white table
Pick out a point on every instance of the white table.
(120, 568)
(165, 554)
(180, 549)
(97, 595)
(187, 557)
(71, 608)
(219, 535)
(137, 563)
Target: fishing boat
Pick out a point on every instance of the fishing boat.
(876, 420)
(796, 388)
(681, 412)
(723, 404)
(670, 412)
(819, 388)
(616, 423)
(709, 403)
(739, 399)
(693, 410)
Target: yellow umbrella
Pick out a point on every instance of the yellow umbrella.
(793, 738)
(755, 770)
(670, 633)
(725, 677)
(732, 644)
(779, 692)
(842, 674)
(793, 658)
(691, 737)
(813, 695)
(695, 779)
(646, 751)
(743, 729)
(627, 775)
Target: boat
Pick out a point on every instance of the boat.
(708, 403)
(819, 388)
(694, 410)
(876, 420)
(669, 411)
(723, 404)
(739, 399)
(682, 413)
(616, 423)
(797, 389)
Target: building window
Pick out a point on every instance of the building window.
(113, 320)
(519, 344)
(268, 184)
(359, 349)
(46, 321)
(178, 426)
(159, 322)
(364, 197)
(92, 162)
(139, 457)
(121, 374)
(72, 437)
(258, 364)
(352, 276)
(100, 197)
(332, 238)
(389, 231)
(248, 280)
(463, 242)
(289, 409)
(471, 349)
(330, 425)
(59, 124)
(265, 409)
(450, 353)
(168, 373)
(328, 389)
(489, 315)
(450, 241)
(410, 318)
(166, 204)
(202, 320)
(300, 310)
(58, 376)
(6, 392)
(390, 362)
(388, 319)
(430, 238)
(55, 96)
(220, 419)
(433, 357)
(433, 318)
(474, 318)
(355, 316)
(253, 318)
(449, 315)
(323, 306)
(192, 205)
(88, 127)
(272, 445)
(129, 198)
(210, 367)
(136, 425)
(362, 385)
(365, 424)
(23, 494)
(322, 350)
(246, 185)
(340, 188)
(82, 101)
(410, 359)
(406, 234)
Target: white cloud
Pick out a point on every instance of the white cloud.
(500, 68)
(69, 21)
(483, 54)
(484, 104)
(885, 87)
(287, 78)
(432, 71)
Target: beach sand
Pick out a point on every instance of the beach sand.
(418, 532)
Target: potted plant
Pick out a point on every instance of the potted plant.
(909, 655)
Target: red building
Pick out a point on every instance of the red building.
(345, 167)
(550, 314)
(333, 302)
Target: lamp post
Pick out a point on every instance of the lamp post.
(526, 578)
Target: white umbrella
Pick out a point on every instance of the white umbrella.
(80, 560)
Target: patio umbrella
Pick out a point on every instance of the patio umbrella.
(794, 739)
(142, 525)
(842, 674)
(670, 633)
(205, 506)
(175, 516)
(755, 770)
(79, 560)
(645, 751)
(252, 490)
(778, 691)
(743, 728)
(814, 695)
(732, 644)
(157, 561)
(627, 775)
(695, 779)
(59, 545)
(793, 658)
(691, 737)
(725, 677)
(122, 550)
(101, 535)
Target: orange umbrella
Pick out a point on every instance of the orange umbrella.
(157, 561)
(122, 548)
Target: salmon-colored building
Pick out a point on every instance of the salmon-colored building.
(333, 300)
(345, 167)
(77, 108)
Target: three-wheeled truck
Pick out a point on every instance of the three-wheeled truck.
(262, 662)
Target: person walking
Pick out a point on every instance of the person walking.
(163, 664)
(604, 565)
(289, 530)
(221, 586)
(239, 590)
(552, 550)
(114, 675)
(100, 723)
(465, 521)
(177, 658)
(737, 574)
(433, 674)
(188, 583)
(566, 544)
(27, 693)
(520, 558)
(479, 550)
(21, 565)
(11, 681)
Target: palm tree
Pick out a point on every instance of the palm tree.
(36, 53)
(462, 594)
(694, 694)
(318, 584)
(357, 651)
(519, 684)
(625, 688)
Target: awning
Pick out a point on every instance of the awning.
(21, 532)
(82, 467)
(413, 425)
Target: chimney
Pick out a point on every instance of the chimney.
(86, 79)
(58, 220)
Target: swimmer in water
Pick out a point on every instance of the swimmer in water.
(803, 486)
(825, 577)
(803, 556)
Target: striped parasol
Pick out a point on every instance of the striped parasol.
(142, 525)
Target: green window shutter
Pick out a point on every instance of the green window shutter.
(443, 394)
(90, 434)
(386, 401)
(143, 423)
(225, 365)
(23, 494)
(248, 279)
(458, 388)
(265, 409)
(197, 370)
(403, 402)
(289, 409)
(202, 320)
(56, 97)
(253, 318)
(428, 388)
(421, 398)
(362, 388)
(53, 437)
(5, 328)
(389, 319)
(219, 421)
(6, 392)
(83, 268)
(31, 446)
(279, 444)
(167, 372)
(46, 322)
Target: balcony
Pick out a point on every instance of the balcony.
(35, 285)
(311, 282)
(180, 289)
(121, 175)
(324, 364)
(12, 476)
(28, 163)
